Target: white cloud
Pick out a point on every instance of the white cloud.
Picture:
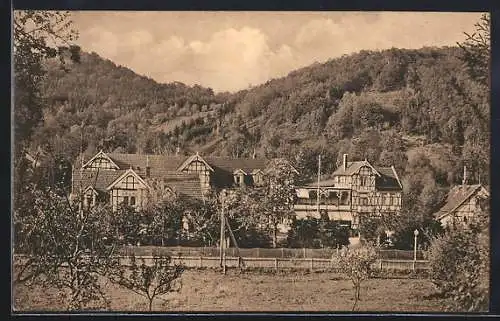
(231, 55)
(103, 42)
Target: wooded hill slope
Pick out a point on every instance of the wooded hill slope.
(415, 109)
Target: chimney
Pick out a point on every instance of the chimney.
(148, 169)
(464, 180)
(344, 162)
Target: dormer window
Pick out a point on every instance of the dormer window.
(238, 179)
(257, 178)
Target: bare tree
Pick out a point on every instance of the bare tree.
(151, 280)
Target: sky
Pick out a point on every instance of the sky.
(230, 51)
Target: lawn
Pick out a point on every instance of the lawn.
(252, 291)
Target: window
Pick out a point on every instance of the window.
(125, 200)
(256, 178)
(131, 182)
(363, 181)
(101, 162)
(89, 200)
(132, 200)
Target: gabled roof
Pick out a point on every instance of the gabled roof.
(239, 171)
(125, 174)
(159, 164)
(94, 191)
(196, 157)
(457, 196)
(161, 167)
(104, 155)
(353, 167)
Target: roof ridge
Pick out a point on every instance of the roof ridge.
(465, 198)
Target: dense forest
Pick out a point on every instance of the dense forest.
(418, 110)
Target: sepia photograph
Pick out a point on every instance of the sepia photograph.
(245, 161)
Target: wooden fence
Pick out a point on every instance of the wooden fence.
(259, 252)
(311, 264)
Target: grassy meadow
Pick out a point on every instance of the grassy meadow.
(209, 290)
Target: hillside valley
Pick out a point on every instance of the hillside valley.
(415, 109)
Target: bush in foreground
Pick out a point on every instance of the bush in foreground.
(459, 262)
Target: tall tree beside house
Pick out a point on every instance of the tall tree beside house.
(164, 222)
(37, 35)
(203, 217)
(476, 56)
(278, 195)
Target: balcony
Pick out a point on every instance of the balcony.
(327, 207)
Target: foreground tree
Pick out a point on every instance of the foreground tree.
(356, 264)
(476, 51)
(37, 35)
(148, 279)
(61, 244)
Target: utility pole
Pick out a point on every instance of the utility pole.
(319, 177)
(222, 230)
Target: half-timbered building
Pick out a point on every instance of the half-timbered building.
(136, 179)
(462, 203)
(354, 190)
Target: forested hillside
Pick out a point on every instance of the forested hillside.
(415, 109)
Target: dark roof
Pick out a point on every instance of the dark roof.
(183, 183)
(232, 164)
(159, 164)
(456, 197)
(161, 167)
(351, 168)
(388, 179)
(189, 188)
(99, 179)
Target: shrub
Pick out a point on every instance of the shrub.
(459, 262)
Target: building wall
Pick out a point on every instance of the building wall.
(464, 213)
(350, 197)
(129, 191)
(198, 167)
